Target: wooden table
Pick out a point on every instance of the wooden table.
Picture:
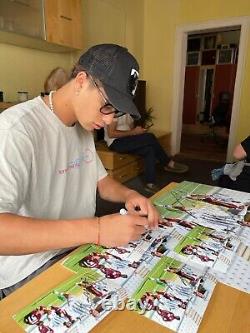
(227, 312)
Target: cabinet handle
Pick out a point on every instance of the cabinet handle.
(66, 18)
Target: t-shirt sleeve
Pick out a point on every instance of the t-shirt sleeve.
(246, 146)
(101, 171)
(16, 160)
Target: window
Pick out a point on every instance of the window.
(225, 56)
(209, 42)
(193, 58)
(194, 44)
(208, 57)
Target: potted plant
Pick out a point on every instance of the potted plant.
(146, 119)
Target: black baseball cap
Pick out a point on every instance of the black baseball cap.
(117, 70)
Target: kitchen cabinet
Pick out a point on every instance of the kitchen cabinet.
(49, 25)
(63, 22)
(24, 17)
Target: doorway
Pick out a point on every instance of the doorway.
(182, 34)
(215, 67)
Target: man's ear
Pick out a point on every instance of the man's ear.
(81, 79)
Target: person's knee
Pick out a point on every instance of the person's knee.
(146, 151)
(149, 138)
(150, 135)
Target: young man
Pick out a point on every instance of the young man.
(50, 170)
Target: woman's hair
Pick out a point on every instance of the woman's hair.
(56, 79)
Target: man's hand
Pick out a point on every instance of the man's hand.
(137, 204)
(119, 230)
(139, 130)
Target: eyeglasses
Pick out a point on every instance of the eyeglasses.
(107, 108)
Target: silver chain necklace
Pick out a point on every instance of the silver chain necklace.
(50, 101)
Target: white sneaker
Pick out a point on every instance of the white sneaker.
(151, 187)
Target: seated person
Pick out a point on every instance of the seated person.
(242, 182)
(55, 80)
(121, 136)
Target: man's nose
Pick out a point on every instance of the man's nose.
(108, 118)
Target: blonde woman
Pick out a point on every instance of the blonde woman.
(55, 80)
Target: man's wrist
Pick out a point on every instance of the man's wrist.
(130, 193)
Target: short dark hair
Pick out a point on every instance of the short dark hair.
(76, 69)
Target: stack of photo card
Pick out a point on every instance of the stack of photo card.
(168, 275)
(198, 245)
(210, 206)
(175, 295)
(227, 214)
(163, 289)
(75, 306)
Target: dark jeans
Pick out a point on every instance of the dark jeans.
(242, 183)
(145, 145)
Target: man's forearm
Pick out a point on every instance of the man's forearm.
(239, 152)
(110, 189)
(24, 235)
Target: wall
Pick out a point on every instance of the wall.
(162, 17)
(24, 69)
(115, 21)
(159, 37)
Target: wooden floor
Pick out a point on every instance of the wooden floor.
(203, 147)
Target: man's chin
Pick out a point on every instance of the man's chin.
(88, 127)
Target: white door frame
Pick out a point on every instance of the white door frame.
(179, 75)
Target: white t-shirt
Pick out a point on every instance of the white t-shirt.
(123, 123)
(48, 170)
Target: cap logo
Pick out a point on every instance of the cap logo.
(133, 81)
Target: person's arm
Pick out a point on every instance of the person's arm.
(242, 150)
(114, 133)
(239, 152)
(23, 235)
(137, 204)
